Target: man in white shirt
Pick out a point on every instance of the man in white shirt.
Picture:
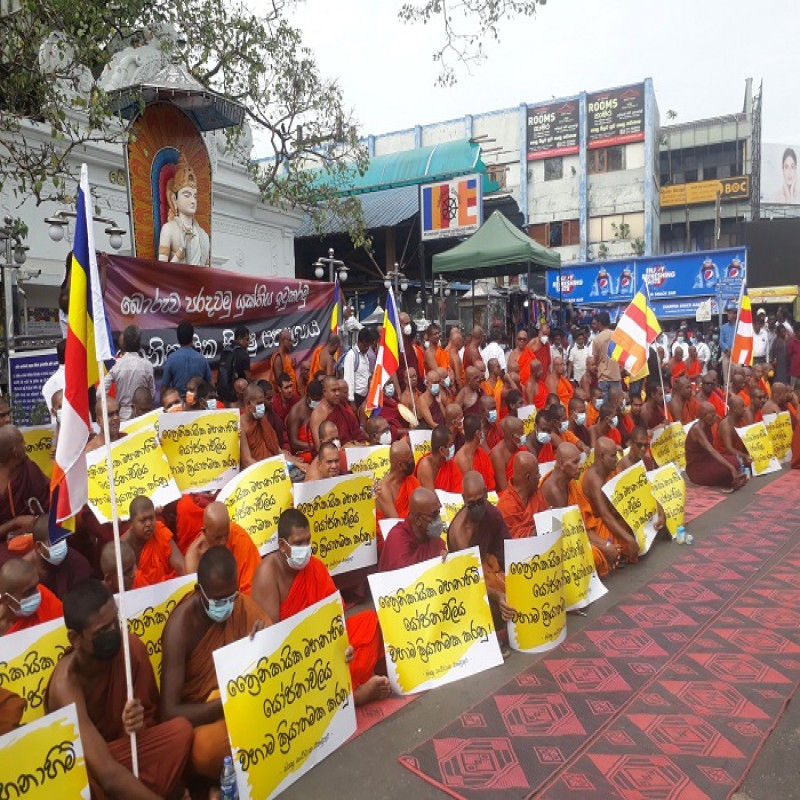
(703, 352)
(494, 350)
(355, 369)
(131, 372)
(56, 381)
(576, 357)
(760, 341)
(350, 325)
(557, 346)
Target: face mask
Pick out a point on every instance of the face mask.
(189, 398)
(435, 528)
(478, 512)
(56, 553)
(580, 419)
(451, 452)
(58, 416)
(520, 440)
(447, 382)
(434, 389)
(542, 437)
(492, 417)
(211, 404)
(385, 437)
(301, 555)
(388, 390)
(219, 610)
(680, 339)
(564, 425)
(312, 404)
(106, 645)
(613, 422)
(409, 467)
(543, 339)
(598, 403)
(406, 330)
(715, 337)
(668, 397)
(29, 605)
(337, 443)
(259, 411)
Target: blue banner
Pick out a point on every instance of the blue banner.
(28, 374)
(684, 275)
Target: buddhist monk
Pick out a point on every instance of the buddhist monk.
(677, 365)
(301, 442)
(597, 511)
(141, 402)
(536, 390)
(523, 498)
(157, 556)
(98, 440)
(454, 419)
(557, 382)
(705, 465)
(24, 599)
(437, 469)
(577, 433)
(281, 363)
(469, 398)
(326, 464)
(91, 675)
(639, 443)
(216, 613)
(324, 357)
(430, 404)
(336, 409)
(709, 393)
(291, 579)
(472, 456)
(538, 349)
(588, 381)
(59, 566)
(512, 359)
(780, 400)
(502, 454)
(418, 537)
(561, 488)
(653, 413)
(539, 440)
(694, 367)
(435, 356)
(108, 566)
(726, 440)
(606, 426)
(189, 512)
(454, 345)
(754, 412)
(683, 406)
(394, 490)
(218, 529)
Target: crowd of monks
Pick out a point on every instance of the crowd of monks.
(478, 445)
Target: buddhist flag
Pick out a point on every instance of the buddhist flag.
(88, 346)
(388, 359)
(742, 350)
(337, 313)
(636, 330)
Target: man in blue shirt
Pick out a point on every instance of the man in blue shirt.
(185, 362)
(726, 336)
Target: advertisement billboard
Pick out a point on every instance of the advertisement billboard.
(694, 194)
(779, 174)
(615, 116)
(451, 208)
(553, 129)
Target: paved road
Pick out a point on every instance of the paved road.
(368, 767)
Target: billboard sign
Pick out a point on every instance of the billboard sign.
(451, 208)
(615, 116)
(779, 174)
(553, 129)
(693, 194)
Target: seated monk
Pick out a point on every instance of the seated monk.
(472, 456)
(561, 488)
(683, 406)
(454, 420)
(418, 537)
(189, 512)
(326, 464)
(726, 441)
(694, 368)
(479, 524)
(523, 498)
(91, 674)
(596, 509)
(215, 614)
(653, 411)
(606, 426)
(705, 465)
(780, 400)
(59, 566)
(469, 398)
(758, 399)
(536, 390)
(557, 382)
(593, 407)
(157, 556)
(677, 365)
(437, 469)
(108, 566)
(740, 384)
(577, 433)
(291, 579)
(98, 440)
(394, 490)
(491, 430)
(218, 529)
(639, 444)
(26, 601)
(539, 440)
(709, 392)
(502, 455)
(301, 442)
(334, 407)
(324, 357)
(12, 707)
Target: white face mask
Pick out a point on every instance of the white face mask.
(337, 443)
(668, 397)
(492, 416)
(259, 411)
(564, 425)
(56, 553)
(385, 437)
(447, 382)
(435, 528)
(301, 555)
(434, 389)
(211, 404)
(543, 339)
(388, 390)
(407, 330)
(580, 419)
(58, 416)
(451, 452)
(613, 422)
(520, 440)
(542, 437)
(598, 403)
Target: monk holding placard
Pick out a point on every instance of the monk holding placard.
(28, 602)
(523, 498)
(157, 556)
(437, 469)
(394, 491)
(418, 537)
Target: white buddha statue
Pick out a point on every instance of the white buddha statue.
(182, 239)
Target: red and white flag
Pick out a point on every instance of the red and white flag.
(742, 350)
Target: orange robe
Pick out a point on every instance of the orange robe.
(593, 522)
(592, 414)
(745, 395)
(694, 370)
(211, 744)
(448, 478)
(569, 436)
(246, 555)
(315, 362)
(494, 436)
(518, 515)
(565, 391)
(483, 464)
(312, 584)
(691, 408)
(50, 608)
(718, 401)
(261, 438)
(189, 512)
(541, 396)
(401, 502)
(154, 564)
(678, 370)
(442, 358)
(288, 369)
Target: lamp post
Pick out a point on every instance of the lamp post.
(441, 289)
(396, 279)
(61, 218)
(334, 264)
(14, 256)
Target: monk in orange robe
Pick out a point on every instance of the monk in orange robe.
(523, 498)
(219, 529)
(281, 363)
(437, 469)
(472, 456)
(28, 602)
(394, 490)
(502, 454)
(157, 555)
(325, 361)
(557, 382)
(189, 512)
(290, 580)
(213, 615)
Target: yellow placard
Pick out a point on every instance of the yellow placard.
(431, 616)
(257, 497)
(38, 442)
(341, 513)
(420, 444)
(149, 609)
(528, 416)
(779, 428)
(632, 497)
(588, 461)
(577, 560)
(287, 698)
(368, 459)
(669, 489)
(27, 661)
(202, 448)
(679, 445)
(44, 760)
(148, 420)
(756, 439)
(140, 468)
(535, 581)
(662, 446)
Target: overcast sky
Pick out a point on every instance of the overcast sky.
(698, 52)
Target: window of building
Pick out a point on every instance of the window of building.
(554, 169)
(555, 234)
(605, 159)
(690, 176)
(559, 233)
(497, 173)
(709, 173)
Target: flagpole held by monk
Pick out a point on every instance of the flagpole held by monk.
(735, 330)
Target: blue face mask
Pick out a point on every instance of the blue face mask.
(668, 397)
(447, 382)
(542, 437)
(56, 553)
(564, 425)
(388, 390)
(211, 404)
(312, 404)
(598, 403)
(259, 411)
(29, 605)
(434, 389)
(580, 418)
(492, 416)
(451, 452)
(613, 422)
(219, 610)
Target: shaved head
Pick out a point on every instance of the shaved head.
(566, 452)
(605, 446)
(473, 482)
(400, 453)
(15, 573)
(422, 501)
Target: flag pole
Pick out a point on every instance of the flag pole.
(730, 359)
(660, 371)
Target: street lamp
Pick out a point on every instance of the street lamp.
(397, 279)
(333, 265)
(14, 256)
(441, 289)
(60, 220)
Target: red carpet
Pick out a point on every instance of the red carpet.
(700, 499)
(668, 695)
(377, 711)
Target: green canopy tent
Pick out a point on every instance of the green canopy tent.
(496, 248)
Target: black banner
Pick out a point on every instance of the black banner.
(615, 116)
(553, 129)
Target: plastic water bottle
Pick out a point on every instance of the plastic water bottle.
(227, 780)
(680, 535)
(743, 468)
